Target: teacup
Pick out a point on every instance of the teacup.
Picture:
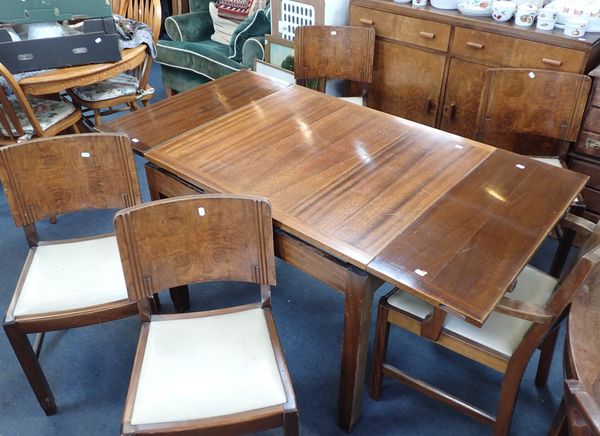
(525, 14)
(547, 14)
(503, 10)
(545, 24)
(420, 2)
(575, 26)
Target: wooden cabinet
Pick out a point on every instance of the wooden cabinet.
(429, 63)
(585, 155)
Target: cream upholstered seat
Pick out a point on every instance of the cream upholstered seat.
(68, 283)
(68, 275)
(218, 371)
(229, 371)
(506, 340)
(500, 332)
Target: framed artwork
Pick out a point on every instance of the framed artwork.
(267, 69)
(279, 52)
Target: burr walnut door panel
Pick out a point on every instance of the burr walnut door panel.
(463, 89)
(406, 82)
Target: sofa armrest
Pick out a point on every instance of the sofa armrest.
(195, 26)
(253, 48)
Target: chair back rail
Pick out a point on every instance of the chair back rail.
(334, 52)
(195, 239)
(51, 176)
(520, 107)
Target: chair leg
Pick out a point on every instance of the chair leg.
(559, 425)
(379, 353)
(31, 367)
(169, 91)
(180, 296)
(75, 128)
(508, 395)
(546, 354)
(97, 117)
(290, 424)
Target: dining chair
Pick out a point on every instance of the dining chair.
(23, 118)
(130, 87)
(335, 52)
(72, 282)
(536, 113)
(505, 342)
(226, 369)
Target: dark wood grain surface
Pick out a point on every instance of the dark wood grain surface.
(376, 190)
(183, 112)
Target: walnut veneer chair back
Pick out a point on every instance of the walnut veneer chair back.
(226, 368)
(519, 107)
(71, 282)
(335, 52)
(505, 342)
(18, 118)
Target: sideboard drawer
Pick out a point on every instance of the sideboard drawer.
(403, 29)
(591, 197)
(512, 52)
(588, 168)
(588, 143)
(592, 120)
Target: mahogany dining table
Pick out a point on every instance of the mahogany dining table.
(57, 80)
(359, 197)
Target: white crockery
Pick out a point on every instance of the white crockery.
(503, 10)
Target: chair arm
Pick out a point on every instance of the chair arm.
(579, 225)
(524, 310)
(253, 48)
(195, 26)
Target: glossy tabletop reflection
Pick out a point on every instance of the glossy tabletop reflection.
(448, 219)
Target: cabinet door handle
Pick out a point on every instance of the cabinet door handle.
(553, 62)
(450, 111)
(427, 35)
(366, 21)
(476, 45)
(430, 109)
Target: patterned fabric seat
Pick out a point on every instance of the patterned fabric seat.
(47, 112)
(118, 86)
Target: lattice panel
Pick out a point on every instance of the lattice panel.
(294, 14)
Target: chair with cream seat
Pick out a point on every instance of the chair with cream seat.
(67, 283)
(226, 370)
(126, 88)
(505, 342)
(24, 118)
(335, 52)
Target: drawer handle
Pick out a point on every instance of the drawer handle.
(593, 144)
(430, 109)
(427, 35)
(554, 62)
(450, 111)
(366, 21)
(476, 45)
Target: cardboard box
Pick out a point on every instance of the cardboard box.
(98, 43)
(39, 11)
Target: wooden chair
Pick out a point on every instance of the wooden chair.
(505, 342)
(335, 52)
(532, 112)
(537, 113)
(23, 118)
(226, 370)
(125, 88)
(68, 283)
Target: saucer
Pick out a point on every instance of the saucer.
(474, 12)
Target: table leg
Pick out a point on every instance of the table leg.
(360, 287)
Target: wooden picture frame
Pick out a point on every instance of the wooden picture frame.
(278, 52)
(267, 69)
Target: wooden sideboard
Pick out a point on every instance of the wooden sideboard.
(429, 62)
(585, 155)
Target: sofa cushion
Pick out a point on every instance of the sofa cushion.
(256, 25)
(207, 58)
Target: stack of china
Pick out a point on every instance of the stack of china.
(575, 26)
(503, 10)
(525, 14)
(547, 18)
(588, 10)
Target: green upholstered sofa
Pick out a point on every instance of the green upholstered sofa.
(191, 58)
